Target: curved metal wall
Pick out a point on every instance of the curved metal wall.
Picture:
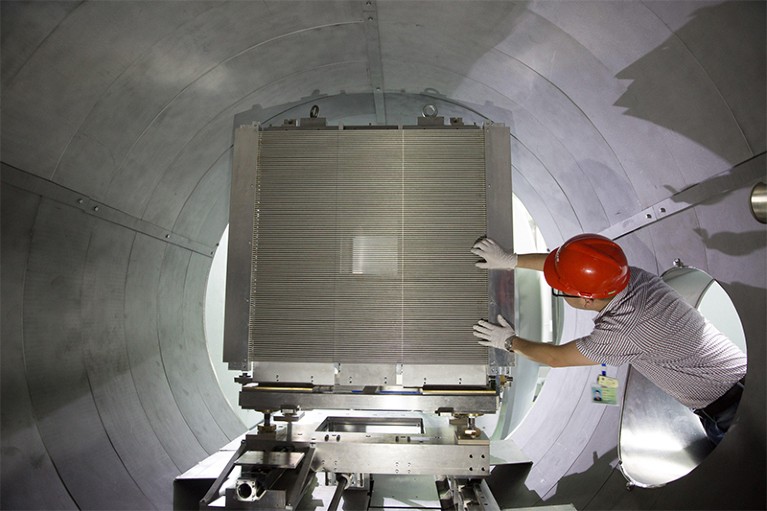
(616, 109)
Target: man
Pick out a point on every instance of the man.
(639, 320)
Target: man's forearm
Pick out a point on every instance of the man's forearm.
(531, 261)
(563, 355)
(535, 351)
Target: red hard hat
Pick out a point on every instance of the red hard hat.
(587, 265)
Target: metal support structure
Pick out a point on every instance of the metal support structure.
(466, 401)
(749, 171)
(97, 209)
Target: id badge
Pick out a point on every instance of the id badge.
(605, 392)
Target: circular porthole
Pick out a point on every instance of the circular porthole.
(661, 440)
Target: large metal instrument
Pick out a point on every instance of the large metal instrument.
(351, 295)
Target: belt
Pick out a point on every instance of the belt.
(725, 400)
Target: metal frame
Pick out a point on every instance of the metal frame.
(324, 374)
(473, 401)
(238, 277)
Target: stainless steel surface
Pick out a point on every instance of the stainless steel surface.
(483, 498)
(759, 202)
(26, 463)
(238, 273)
(473, 402)
(418, 375)
(613, 108)
(660, 439)
(271, 459)
(59, 285)
(51, 190)
(505, 451)
(378, 225)
(307, 372)
(403, 491)
(500, 288)
(178, 347)
(711, 189)
(152, 384)
(377, 449)
(691, 283)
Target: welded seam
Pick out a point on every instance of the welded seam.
(210, 70)
(32, 409)
(559, 185)
(42, 42)
(162, 357)
(184, 336)
(375, 61)
(197, 186)
(227, 108)
(551, 448)
(705, 72)
(541, 200)
(88, 375)
(111, 443)
(567, 96)
(130, 362)
(109, 87)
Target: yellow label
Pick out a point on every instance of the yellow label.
(606, 381)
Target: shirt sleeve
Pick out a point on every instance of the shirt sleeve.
(608, 347)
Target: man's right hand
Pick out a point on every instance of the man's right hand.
(495, 258)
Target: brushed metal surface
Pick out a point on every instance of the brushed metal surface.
(369, 224)
(180, 362)
(26, 463)
(108, 366)
(759, 202)
(147, 358)
(253, 398)
(54, 345)
(51, 190)
(660, 440)
(240, 249)
(199, 373)
(614, 107)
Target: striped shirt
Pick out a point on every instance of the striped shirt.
(650, 326)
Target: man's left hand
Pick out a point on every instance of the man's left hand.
(495, 335)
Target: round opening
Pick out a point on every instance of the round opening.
(661, 440)
(244, 491)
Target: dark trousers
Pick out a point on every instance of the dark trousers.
(718, 416)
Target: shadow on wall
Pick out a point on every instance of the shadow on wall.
(507, 483)
(733, 243)
(660, 91)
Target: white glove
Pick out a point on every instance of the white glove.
(495, 257)
(495, 336)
